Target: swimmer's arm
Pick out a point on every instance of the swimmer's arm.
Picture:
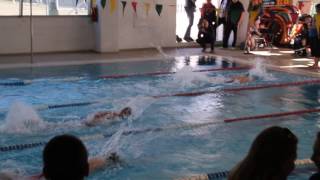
(99, 162)
(96, 163)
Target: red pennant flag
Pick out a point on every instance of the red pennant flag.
(134, 6)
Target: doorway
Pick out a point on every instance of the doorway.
(182, 20)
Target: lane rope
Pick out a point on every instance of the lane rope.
(300, 163)
(27, 82)
(173, 127)
(169, 72)
(189, 94)
(16, 83)
(244, 88)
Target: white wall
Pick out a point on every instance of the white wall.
(142, 31)
(51, 34)
(116, 31)
(112, 33)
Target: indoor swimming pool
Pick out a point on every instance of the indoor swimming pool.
(190, 115)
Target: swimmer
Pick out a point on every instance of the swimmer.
(104, 116)
(241, 79)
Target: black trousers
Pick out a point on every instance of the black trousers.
(230, 27)
(207, 39)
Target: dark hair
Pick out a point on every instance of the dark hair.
(318, 7)
(303, 17)
(65, 157)
(270, 157)
(125, 112)
(316, 151)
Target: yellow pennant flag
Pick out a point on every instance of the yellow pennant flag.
(147, 8)
(113, 6)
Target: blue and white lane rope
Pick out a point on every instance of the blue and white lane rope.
(300, 163)
(173, 127)
(56, 106)
(16, 83)
(189, 94)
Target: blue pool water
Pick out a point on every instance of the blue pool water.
(168, 154)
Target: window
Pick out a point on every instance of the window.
(44, 7)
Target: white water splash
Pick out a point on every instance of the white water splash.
(113, 144)
(138, 105)
(22, 118)
(185, 77)
(160, 50)
(260, 71)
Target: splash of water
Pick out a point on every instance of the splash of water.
(260, 71)
(138, 105)
(22, 118)
(185, 77)
(160, 50)
(113, 144)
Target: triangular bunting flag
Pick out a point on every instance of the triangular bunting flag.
(147, 8)
(159, 8)
(113, 5)
(134, 6)
(124, 4)
(93, 3)
(103, 3)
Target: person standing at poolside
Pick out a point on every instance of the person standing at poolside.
(314, 35)
(234, 20)
(222, 14)
(190, 8)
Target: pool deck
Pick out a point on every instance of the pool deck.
(276, 58)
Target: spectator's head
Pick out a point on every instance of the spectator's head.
(65, 157)
(316, 151)
(271, 156)
(208, 1)
(318, 8)
(234, 1)
(125, 112)
(306, 18)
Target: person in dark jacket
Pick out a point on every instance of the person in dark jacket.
(234, 19)
(207, 26)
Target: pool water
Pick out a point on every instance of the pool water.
(169, 153)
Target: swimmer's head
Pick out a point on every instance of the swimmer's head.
(113, 157)
(125, 112)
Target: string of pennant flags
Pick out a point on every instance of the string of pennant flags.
(134, 4)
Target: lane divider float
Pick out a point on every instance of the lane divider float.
(243, 88)
(190, 94)
(16, 83)
(27, 82)
(169, 72)
(173, 127)
(300, 163)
